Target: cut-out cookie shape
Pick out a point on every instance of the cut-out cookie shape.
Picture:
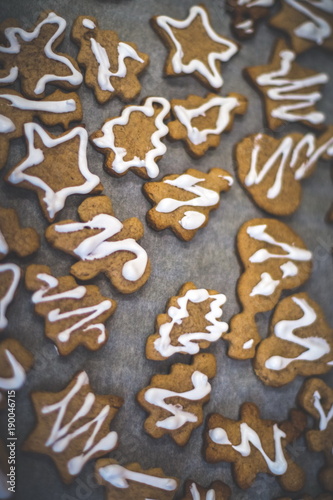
(10, 275)
(300, 343)
(290, 91)
(246, 15)
(308, 23)
(204, 57)
(271, 169)
(183, 202)
(13, 237)
(30, 56)
(56, 167)
(132, 141)
(102, 243)
(74, 315)
(73, 426)
(15, 362)
(317, 399)
(216, 491)
(111, 67)
(275, 259)
(56, 109)
(254, 445)
(131, 481)
(174, 402)
(191, 323)
(200, 121)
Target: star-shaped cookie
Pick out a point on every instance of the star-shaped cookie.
(202, 58)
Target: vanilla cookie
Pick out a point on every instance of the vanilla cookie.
(13, 237)
(290, 91)
(271, 169)
(300, 342)
(191, 323)
(30, 57)
(215, 491)
(58, 108)
(199, 122)
(175, 401)
(74, 315)
(111, 66)
(183, 202)
(317, 399)
(10, 275)
(307, 24)
(275, 259)
(246, 15)
(131, 481)
(251, 443)
(73, 426)
(102, 243)
(132, 141)
(204, 57)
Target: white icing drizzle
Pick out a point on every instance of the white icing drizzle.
(256, 3)
(19, 102)
(248, 344)
(4, 248)
(118, 476)
(9, 295)
(60, 436)
(157, 397)
(120, 165)
(278, 466)
(104, 73)
(192, 220)
(315, 347)
(266, 285)
(187, 341)
(75, 78)
(97, 246)
(88, 313)
(88, 23)
(287, 91)
(210, 495)
(185, 116)
(288, 269)
(54, 200)
(6, 125)
(324, 418)
(228, 178)
(315, 29)
(17, 379)
(210, 72)
(246, 26)
(283, 151)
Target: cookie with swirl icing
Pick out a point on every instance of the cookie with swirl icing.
(215, 491)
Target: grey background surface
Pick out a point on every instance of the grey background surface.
(209, 260)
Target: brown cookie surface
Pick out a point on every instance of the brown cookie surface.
(215, 491)
(183, 202)
(102, 243)
(175, 401)
(13, 237)
(246, 16)
(10, 275)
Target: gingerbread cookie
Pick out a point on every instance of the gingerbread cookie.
(30, 56)
(111, 67)
(132, 141)
(174, 402)
(102, 243)
(246, 15)
(131, 481)
(254, 445)
(73, 426)
(300, 342)
(271, 169)
(10, 275)
(15, 362)
(58, 108)
(275, 259)
(183, 202)
(199, 122)
(204, 57)
(216, 491)
(191, 323)
(74, 315)
(317, 399)
(13, 237)
(290, 91)
(55, 167)
(308, 24)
